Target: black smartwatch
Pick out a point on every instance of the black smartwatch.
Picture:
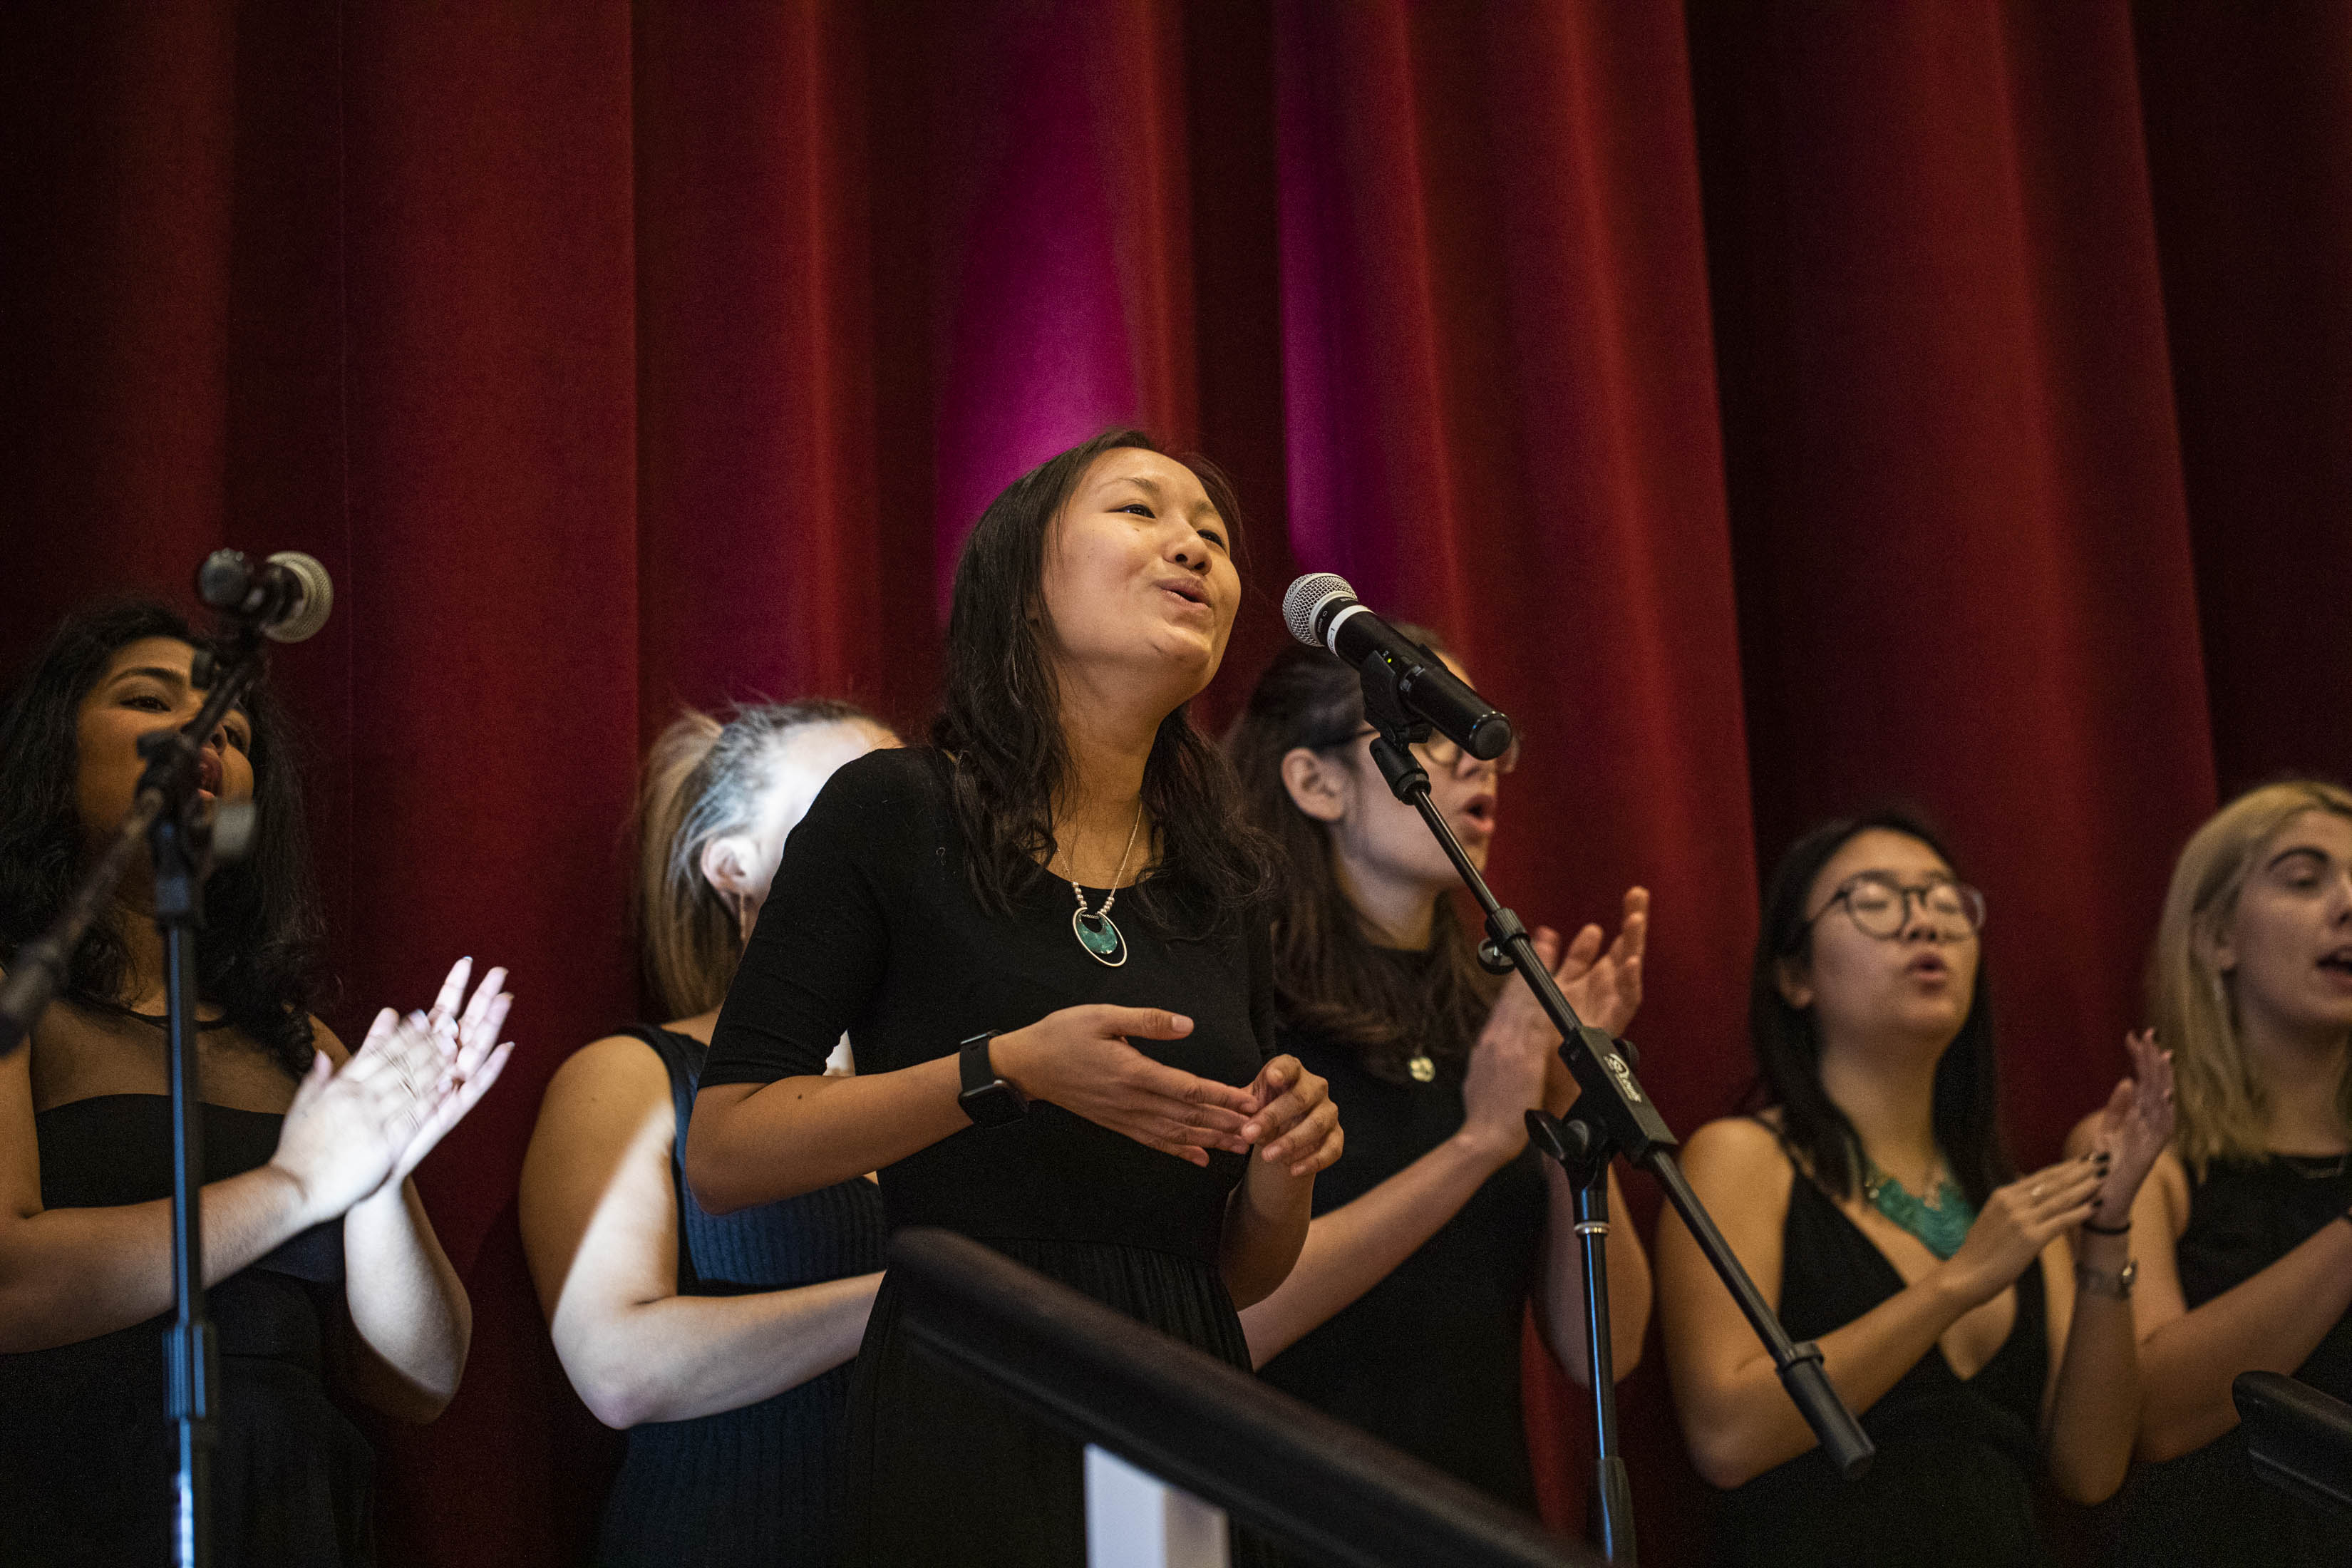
(987, 1098)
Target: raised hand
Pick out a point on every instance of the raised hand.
(1080, 1058)
(2134, 1128)
(469, 1056)
(1605, 988)
(2019, 1220)
(1296, 1126)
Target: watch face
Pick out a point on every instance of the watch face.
(992, 1104)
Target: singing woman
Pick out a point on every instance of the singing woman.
(1441, 1228)
(1978, 1323)
(324, 1277)
(2244, 1228)
(720, 1342)
(1045, 936)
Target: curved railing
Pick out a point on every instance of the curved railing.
(2298, 1439)
(1314, 1484)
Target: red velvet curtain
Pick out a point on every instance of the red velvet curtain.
(1779, 404)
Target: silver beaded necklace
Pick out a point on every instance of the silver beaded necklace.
(1094, 928)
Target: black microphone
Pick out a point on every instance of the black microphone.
(286, 596)
(1322, 611)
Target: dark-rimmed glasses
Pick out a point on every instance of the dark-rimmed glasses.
(1880, 906)
(1438, 754)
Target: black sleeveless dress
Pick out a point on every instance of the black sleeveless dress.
(881, 935)
(87, 1452)
(1952, 1484)
(2208, 1506)
(758, 1487)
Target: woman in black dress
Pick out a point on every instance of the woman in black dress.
(323, 1271)
(721, 1344)
(2246, 1249)
(1441, 1228)
(1959, 1312)
(1130, 1130)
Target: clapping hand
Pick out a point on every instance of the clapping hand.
(1512, 1061)
(2018, 1221)
(361, 1128)
(1605, 988)
(469, 1056)
(2134, 1128)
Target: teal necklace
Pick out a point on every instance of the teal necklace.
(1093, 928)
(1941, 1222)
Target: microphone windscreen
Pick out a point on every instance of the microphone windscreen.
(1305, 600)
(318, 598)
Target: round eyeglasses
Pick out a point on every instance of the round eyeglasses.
(1880, 906)
(1438, 754)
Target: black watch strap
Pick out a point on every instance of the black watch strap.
(987, 1098)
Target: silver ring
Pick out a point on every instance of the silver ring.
(1592, 1228)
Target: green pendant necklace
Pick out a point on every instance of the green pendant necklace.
(1941, 1222)
(1095, 930)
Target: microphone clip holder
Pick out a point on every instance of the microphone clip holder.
(1611, 1116)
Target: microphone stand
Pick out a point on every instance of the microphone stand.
(1611, 1116)
(167, 816)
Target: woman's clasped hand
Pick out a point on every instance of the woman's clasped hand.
(1083, 1059)
(360, 1129)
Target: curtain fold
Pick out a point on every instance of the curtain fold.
(1964, 568)
(1777, 406)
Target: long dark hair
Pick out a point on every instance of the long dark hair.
(1789, 1050)
(257, 955)
(1001, 718)
(1329, 977)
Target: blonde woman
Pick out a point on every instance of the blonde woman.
(721, 1343)
(2244, 1264)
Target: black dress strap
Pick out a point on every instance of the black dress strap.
(682, 1056)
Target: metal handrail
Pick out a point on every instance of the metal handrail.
(1312, 1483)
(2298, 1438)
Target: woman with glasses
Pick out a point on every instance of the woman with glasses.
(1434, 1235)
(2248, 1267)
(1979, 1323)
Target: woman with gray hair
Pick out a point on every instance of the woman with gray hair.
(721, 1343)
